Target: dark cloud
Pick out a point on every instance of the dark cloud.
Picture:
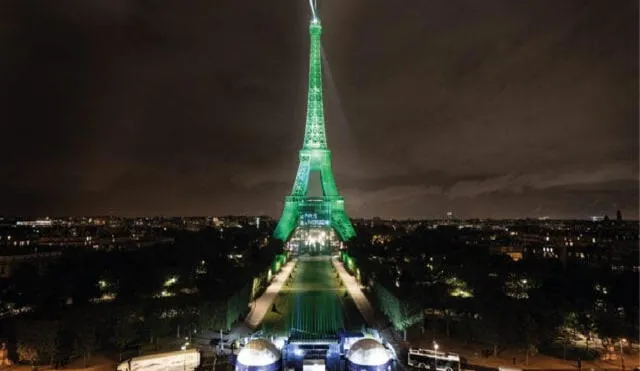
(493, 108)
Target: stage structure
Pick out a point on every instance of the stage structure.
(310, 216)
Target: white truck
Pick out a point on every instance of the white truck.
(181, 360)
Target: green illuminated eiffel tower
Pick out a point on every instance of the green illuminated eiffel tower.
(299, 209)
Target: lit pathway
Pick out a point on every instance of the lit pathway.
(353, 287)
(261, 305)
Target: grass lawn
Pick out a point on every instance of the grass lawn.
(312, 302)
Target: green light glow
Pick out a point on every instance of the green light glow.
(312, 305)
(314, 156)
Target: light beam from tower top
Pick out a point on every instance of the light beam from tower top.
(314, 14)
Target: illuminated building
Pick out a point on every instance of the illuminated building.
(301, 211)
(35, 223)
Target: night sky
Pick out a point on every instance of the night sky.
(493, 108)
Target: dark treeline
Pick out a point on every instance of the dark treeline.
(122, 301)
(465, 292)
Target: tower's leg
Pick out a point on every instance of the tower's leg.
(289, 219)
(340, 221)
(290, 213)
(314, 160)
(300, 184)
(329, 187)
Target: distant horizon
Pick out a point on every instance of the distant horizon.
(453, 218)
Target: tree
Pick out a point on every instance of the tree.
(409, 315)
(21, 290)
(156, 326)
(27, 341)
(49, 338)
(40, 336)
(27, 353)
(401, 313)
(86, 339)
(528, 334)
(497, 321)
(611, 327)
(583, 323)
(565, 337)
(124, 332)
(447, 304)
(212, 315)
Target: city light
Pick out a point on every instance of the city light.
(164, 294)
(170, 281)
(459, 288)
(526, 142)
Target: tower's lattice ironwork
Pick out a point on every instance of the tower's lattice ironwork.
(299, 209)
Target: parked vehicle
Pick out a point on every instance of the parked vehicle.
(182, 360)
(433, 360)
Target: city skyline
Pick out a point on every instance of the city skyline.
(504, 110)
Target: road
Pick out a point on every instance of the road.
(354, 290)
(262, 305)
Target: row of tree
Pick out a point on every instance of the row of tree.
(123, 330)
(64, 323)
(466, 292)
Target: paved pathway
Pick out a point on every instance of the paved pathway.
(353, 288)
(261, 305)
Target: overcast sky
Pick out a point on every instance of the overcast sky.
(494, 108)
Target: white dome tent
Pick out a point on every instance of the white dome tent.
(259, 355)
(368, 355)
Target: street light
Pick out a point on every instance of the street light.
(184, 356)
(622, 340)
(435, 355)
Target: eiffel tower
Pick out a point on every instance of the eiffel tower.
(300, 210)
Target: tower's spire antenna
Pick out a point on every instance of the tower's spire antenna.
(314, 135)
